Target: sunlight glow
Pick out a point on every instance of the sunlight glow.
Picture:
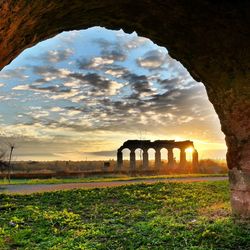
(189, 150)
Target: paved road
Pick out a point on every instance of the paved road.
(38, 188)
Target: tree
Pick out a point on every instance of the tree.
(2, 162)
(11, 146)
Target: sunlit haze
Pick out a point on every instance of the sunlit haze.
(81, 94)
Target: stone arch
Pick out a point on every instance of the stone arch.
(211, 39)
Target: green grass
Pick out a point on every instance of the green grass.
(100, 179)
(159, 216)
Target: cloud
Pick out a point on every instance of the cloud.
(169, 84)
(140, 85)
(111, 153)
(64, 95)
(135, 42)
(117, 72)
(106, 59)
(153, 59)
(21, 87)
(143, 105)
(56, 109)
(55, 56)
(94, 63)
(38, 114)
(111, 49)
(49, 72)
(110, 53)
(73, 112)
(116, 54)
(103, 43)
(100, 85)
(51, 89)
(68, 38)
(17, 73)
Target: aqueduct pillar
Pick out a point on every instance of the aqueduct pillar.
(132, 160)
(170, 157)
(119, 159)
(145, 159)
(158, 158)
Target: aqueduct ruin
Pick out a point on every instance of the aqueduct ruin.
(210, 38)
(145, 145)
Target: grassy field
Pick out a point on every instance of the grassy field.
(159, 216)
(100, 179)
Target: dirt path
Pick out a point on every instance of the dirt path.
(38, 188)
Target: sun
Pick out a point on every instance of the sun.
(189, 150)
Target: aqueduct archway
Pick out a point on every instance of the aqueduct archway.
(210, 38)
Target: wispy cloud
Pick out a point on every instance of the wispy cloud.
(153, 59)
(55, 56)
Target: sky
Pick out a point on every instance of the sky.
(81, 94)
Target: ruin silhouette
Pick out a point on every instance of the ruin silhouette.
(157, 145)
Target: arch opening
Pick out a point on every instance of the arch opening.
(176, 152)
(119, 81)
(151, 155)
(164, 158)
(126, 158)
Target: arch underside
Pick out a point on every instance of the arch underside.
(210, 38)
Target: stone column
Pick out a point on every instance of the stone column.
(239, 178)
(119, 160)
(170, 157)
(145, 159)
(195, 160)
(182, 157)
(157, 158)
(132, 160)
(233, 107)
